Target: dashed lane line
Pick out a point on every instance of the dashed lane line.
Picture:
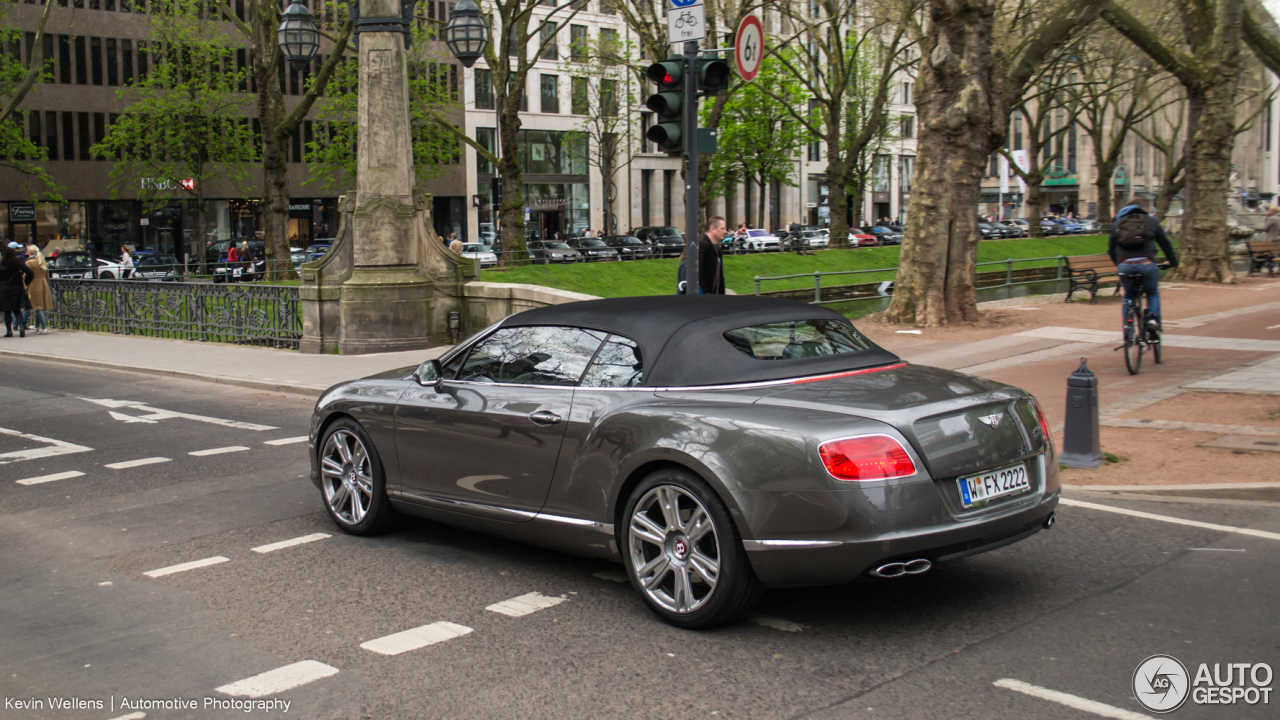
(50, 478)
(1168, 519)
(51, 449)
(183, 567)
(218, 451)
(419, 637)
(290, 543)
(279, 680)
(287, 441)
(1071, 701)
(137, 463)
(525, 604)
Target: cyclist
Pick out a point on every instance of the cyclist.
(1132, 248)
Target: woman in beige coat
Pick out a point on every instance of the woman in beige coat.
(38, 290)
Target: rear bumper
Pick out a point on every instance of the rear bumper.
(787, 563)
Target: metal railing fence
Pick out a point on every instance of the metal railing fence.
(265, 315)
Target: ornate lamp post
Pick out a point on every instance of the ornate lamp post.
(297, 36)
(466, 34)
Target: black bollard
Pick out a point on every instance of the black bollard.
(1081, 445)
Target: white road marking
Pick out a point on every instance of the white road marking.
(137, 463)
(279, 680)
(419, 637)
(1174, 520)
(55, 447)
(614, 574)
(290, 543)
(158, 414)
(131, 716)
(288, 441)
(50, 478)
(129, 418)
(775, 623)
(1071, 701)
(525, 604)
(186, 566)
(218, 451)
(1220, 549)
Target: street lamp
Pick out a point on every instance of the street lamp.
(297, 36)
(466, 34)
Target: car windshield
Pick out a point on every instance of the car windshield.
(591, 242)
(472, 247)
(67, 260)
(664, 232)
(557, 246)
(757, 233)
(796, 339)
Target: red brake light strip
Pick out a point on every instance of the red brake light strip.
(849, 373)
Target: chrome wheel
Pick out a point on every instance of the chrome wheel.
(346, 474)
(674, 549)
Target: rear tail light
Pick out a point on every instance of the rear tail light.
(1044, 423)
(866, 457)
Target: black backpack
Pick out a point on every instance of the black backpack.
(1133, 231)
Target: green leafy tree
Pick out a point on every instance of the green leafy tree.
(758, 139)
(433, 91)
(17, 152)
(185, 119)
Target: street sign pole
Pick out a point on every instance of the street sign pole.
(691, 166)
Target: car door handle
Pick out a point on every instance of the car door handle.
(544, 417)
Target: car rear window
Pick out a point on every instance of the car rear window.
(797, 339)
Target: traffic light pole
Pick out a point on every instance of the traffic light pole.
(691, 166)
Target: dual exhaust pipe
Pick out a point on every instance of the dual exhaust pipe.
(898, 569)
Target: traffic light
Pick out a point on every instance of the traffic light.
(713, 75)
(667, 103)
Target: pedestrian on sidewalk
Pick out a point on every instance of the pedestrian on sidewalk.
(1272, 227)
(455, 245)
(1132, 248)
(710, 261)
(126, 262)
(38, 291)
(14, 277)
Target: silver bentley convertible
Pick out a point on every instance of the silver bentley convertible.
(714, 445)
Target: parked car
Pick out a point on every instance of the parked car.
(593, 249)
(630, 247)
(760, 241)
(72, 265)
(858, 238)
(113, 270)
(157, 267)
(1072, 227)
(1018, 226)
(815, 238)
(477, 251)
(884, 235)
(318, 249)
(1049, 227)
(890, 467)
(543, 253)
(668, 240)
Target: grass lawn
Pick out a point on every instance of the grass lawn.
(658, 277)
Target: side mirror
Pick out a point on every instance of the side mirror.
(430, 373)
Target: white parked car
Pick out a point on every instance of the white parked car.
(816, 238)
(761, 241)
(108, 270)
(480, 252)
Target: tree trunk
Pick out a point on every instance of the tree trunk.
(960, 125)
(837, 179)
(271, 114)
(760, 187)
(1104, 187)
(511, 211)
(1033, 212)
(1203, 251)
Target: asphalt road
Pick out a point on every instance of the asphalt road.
(1074, 609)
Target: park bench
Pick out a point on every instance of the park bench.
(1090, 272)
(1264, 255)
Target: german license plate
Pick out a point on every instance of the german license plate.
(994, 484)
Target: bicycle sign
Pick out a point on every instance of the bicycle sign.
(748, 47)
(686, 23)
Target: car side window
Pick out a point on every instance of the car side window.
(618, 364)
(542, 355)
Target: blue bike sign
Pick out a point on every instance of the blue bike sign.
(685, 3)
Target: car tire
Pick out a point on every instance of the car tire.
(671, 576)
(106, 276)
(349, 462)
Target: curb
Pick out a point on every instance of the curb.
(1189, 486)
(312, 391)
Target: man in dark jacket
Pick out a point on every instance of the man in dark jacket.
(710, 262)
(1135, 257)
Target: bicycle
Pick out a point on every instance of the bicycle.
(1137, 336)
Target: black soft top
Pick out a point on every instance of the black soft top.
(682, 338)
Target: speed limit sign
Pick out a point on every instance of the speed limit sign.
(748, 47)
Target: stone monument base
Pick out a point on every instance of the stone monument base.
(386, 309)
